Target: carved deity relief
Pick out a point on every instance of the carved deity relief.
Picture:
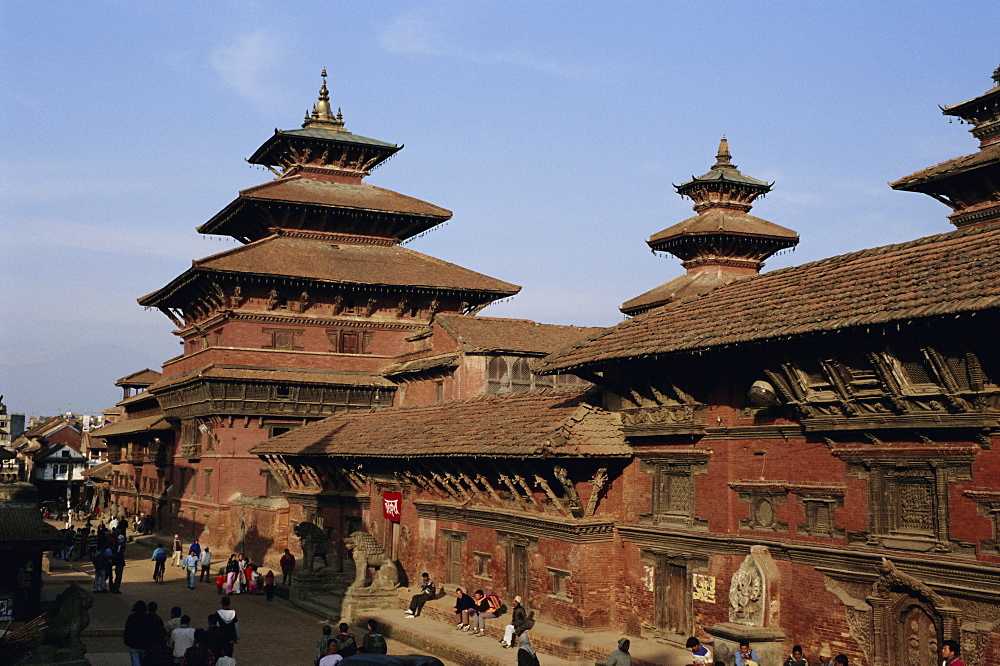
(746, 594)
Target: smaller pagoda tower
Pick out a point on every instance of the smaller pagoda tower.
(722, 242)
(969, 185)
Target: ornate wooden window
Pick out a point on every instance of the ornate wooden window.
(520, 375)
(819, 508)
(908, 497)
(673, 490)
(497, 375)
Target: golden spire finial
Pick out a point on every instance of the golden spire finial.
(724, 157)
(322, 113)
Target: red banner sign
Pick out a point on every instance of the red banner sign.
(391, 506)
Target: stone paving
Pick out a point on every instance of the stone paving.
(277, 634)
(273, 633)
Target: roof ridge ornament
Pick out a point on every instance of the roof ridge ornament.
(322, 114)
(723, 160)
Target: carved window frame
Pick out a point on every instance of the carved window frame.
(672, 495)
(763, 502)
(483, 561)
(820, 513)
(886, 476)
(559, 579)
(988, 506)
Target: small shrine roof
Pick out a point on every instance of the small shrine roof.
(550, 423)
(142, 396)
(132, 426)
(307, 259)
(101, 472)
(140, 378)
(946, 274)
(987, 155)
(422, 364)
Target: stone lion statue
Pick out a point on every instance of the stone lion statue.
(314, 544)
(70, 618)
(368, 553)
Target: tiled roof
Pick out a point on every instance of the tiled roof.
(493, 334)
(340, 263)
(130, 426)
(721, 221)
(143, 377)
(101, 472)
(988, 154)
(950, 273)
(242, 217)
(679, 288)
(422, 364)
(24, 526)
(554, 423)
(343, 195)
(300, 376)
(138, 397)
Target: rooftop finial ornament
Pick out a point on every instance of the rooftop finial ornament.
(996, 75)
(322, 113)
(724, 157)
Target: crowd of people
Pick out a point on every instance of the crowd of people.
(153, 642)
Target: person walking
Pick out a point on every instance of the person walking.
(102, 569)
(118, 564)
(232, 572)
(181, 639)
(190, 566)
(178, 550)
(206, 565)
(287, 564)
(269, 585)
(230, 625)
(620, 657)
(138, 635)
(323, 644)
(374, 642)
(215, 637)
(347, 645)
(525, 653)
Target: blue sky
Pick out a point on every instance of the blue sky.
(552, 130)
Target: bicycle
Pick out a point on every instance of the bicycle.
(158, 571)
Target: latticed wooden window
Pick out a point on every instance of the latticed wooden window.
(520, 376)
(497, 376)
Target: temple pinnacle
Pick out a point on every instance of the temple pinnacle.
(322, 113)
(724, 157)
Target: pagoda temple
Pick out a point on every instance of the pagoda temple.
(723, 242)
(295, 324)
(969, 185)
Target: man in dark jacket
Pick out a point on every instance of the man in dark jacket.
(139, 634)
(118, 564)
(215, 639)
(374, 642)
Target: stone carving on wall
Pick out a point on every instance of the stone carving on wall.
(746, 594)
